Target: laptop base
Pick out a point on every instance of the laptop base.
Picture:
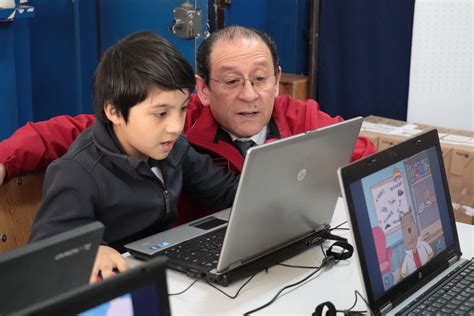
(257, 265)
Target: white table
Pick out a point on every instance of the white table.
(336, 284)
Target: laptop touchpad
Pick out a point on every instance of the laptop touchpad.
(208, 223)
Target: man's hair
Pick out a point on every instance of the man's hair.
(135, 65)
(229, 33)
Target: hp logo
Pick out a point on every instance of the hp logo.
(301, 175)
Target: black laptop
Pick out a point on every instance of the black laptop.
(403, 226)
(284, 204)
(48, 267)
(139, 291)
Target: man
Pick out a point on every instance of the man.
(128, 169)
(237, 98)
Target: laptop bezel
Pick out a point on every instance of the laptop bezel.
(365, 167)
(33, 267)
(89, 296)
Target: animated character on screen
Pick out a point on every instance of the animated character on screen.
(417, 251)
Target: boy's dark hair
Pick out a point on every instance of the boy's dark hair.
(229, 33)
(132, 67)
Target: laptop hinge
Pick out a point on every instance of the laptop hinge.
(386, 308)
(453, 260)
(235, 265)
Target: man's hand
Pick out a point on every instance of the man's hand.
(106, 261)
(3, 173)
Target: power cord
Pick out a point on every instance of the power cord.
(181, 292)
(332, 311)
(284, 288)
(238, 292)
(330, 258)
(212, 285)
(338, 226)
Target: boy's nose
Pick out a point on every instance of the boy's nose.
(175, 125)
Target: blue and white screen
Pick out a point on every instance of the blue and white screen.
(402, 218)
(140, 302)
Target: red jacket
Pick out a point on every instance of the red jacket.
(32, 147)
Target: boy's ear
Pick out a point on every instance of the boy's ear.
(112, 114)
(202, 90)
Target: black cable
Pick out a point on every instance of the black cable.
(189, 286)
(284, 288)
(322, 249)
(236, 294)
(350, 309)
(297, 266)
(337, 226)
(366, 303)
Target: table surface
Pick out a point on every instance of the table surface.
(336, 284)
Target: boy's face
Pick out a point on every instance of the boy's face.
(153, 125)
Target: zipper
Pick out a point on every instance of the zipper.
(167, 202)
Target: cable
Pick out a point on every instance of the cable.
(350, 311)
(371, 312)
(297, 266)
(282, 289)
(337, 226)
(236, 294)
(328, 261)
(189, 286)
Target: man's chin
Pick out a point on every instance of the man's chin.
(247, 130)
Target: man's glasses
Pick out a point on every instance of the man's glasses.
(264, 82)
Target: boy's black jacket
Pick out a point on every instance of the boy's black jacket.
(96, 180)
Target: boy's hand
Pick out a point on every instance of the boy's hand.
(106, 261)
(3, 173)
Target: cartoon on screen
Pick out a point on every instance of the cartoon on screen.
(404, 217)
(417, 251)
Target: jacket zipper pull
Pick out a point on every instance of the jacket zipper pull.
(167, 202)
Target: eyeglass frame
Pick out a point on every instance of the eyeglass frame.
(242, 85)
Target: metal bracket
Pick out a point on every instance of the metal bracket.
(187, 23)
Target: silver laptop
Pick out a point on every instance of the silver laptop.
(283, 205)
(403, 226)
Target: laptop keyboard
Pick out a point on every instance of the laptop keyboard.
(203, 250)
(455, 295)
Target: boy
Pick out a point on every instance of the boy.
(129, 168)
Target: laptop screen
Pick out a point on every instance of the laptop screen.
(401, 216)
(65, 260)
(138, 291)
(143, 301)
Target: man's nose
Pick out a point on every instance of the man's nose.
(248, 92)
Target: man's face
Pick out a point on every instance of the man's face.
(153, 125)
(245, 109)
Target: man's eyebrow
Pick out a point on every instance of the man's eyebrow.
(258, 63)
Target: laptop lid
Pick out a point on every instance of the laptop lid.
(288, 189)
(64, 261)
(139, 291)
(402, 220)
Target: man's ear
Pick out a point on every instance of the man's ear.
(112, 114)
(277, 85)
(202, 90)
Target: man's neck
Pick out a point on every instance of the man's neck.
(259, 138)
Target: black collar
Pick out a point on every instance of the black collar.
(221, 134)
